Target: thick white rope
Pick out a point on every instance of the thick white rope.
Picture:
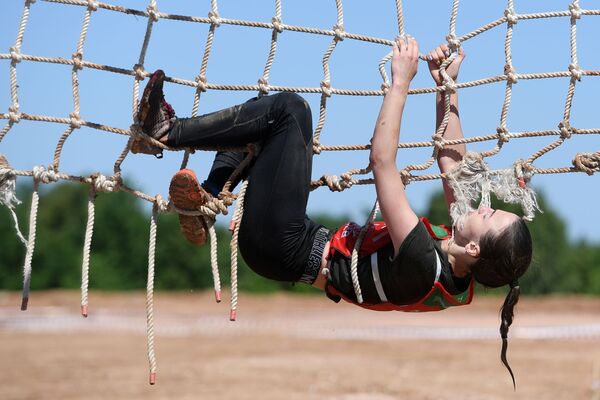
(235, 226)
(87, 244)
(150, 296)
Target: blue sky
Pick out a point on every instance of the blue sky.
(239, 55)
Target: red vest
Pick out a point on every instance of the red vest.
(376, 237)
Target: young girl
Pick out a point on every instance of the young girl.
(403, 263)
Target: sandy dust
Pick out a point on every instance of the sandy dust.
(293, 347)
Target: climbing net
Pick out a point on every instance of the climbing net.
(523, 169)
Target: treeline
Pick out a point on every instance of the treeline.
(119, 253)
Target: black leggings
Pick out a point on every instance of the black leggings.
(276, 238)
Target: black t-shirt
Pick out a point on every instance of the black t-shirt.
(405, 279)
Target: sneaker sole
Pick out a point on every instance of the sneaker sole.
(187, 194)
(157, 77)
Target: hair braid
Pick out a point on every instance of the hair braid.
(507, 314)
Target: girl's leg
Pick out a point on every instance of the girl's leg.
(276, 239)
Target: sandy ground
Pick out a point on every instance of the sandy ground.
(293, 347)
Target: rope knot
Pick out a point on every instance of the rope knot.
(161, 204)
(510, 73)
(77, 61)
(102, 183)
(523, 172)
(453, 42)
(15, 55)
(317, 148)
(438, 140)
(92, 5)
(326, 88)
(75, 121)
(576, 72)
(40, 174)
(575, 10)
(385, 87)
(406, 176)
(277, 25)
(263, 85)
(201, 83)
(140, 72)
(152, 12)
(565, 129)
(340, 34)
(14, 115)
(511, 16)
(215, 20)
(502, 134)
(587, 162)
(449, 85)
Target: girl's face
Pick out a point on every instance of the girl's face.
(479, 222)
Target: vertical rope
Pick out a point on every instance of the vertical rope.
(15, 52)
(235, 222)
(30, 245)
(214, 263)
(263, 82)
(400, 17)
(87, 244)
(356, 249)
(326, 83)
(150, 296)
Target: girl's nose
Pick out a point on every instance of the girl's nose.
(484, 210)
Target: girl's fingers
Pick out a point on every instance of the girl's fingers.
(440, 55)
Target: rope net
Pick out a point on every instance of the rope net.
(98, 183)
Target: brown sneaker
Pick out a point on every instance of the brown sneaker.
(187, 194)
(154, 114)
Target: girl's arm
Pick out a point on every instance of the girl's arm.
(397, 213)
(450, 155)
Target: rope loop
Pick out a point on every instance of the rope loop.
(215, 20)
(40, 174)
(77, 61)
(575, 10)
(15, 55)
(263, 85)
(438, 141)
(92, 5)
(453, 42)
(449, 85)
(340, 34)
(565, 129)
(162, 205)
(385, 87)
(152, 12)
(14, 115)
(511, 16)
(140, 72)
(406, 176)
(277, 25)
(326, 88)
(75, 121)
(575, 71)
(511, 75)
(201, 83)
(102, 183)
(502, 134)
(587, 162)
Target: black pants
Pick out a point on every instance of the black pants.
(276, 238)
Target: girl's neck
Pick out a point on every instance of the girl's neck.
(460, 266)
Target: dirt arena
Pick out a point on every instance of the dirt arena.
(293, 347)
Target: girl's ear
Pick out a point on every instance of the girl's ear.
(472, 249)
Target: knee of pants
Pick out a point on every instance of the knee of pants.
(292, 104)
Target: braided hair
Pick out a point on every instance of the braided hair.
(503, 259)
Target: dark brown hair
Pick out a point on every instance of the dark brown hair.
(503, 259)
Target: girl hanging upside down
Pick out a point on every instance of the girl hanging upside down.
(404, 263)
